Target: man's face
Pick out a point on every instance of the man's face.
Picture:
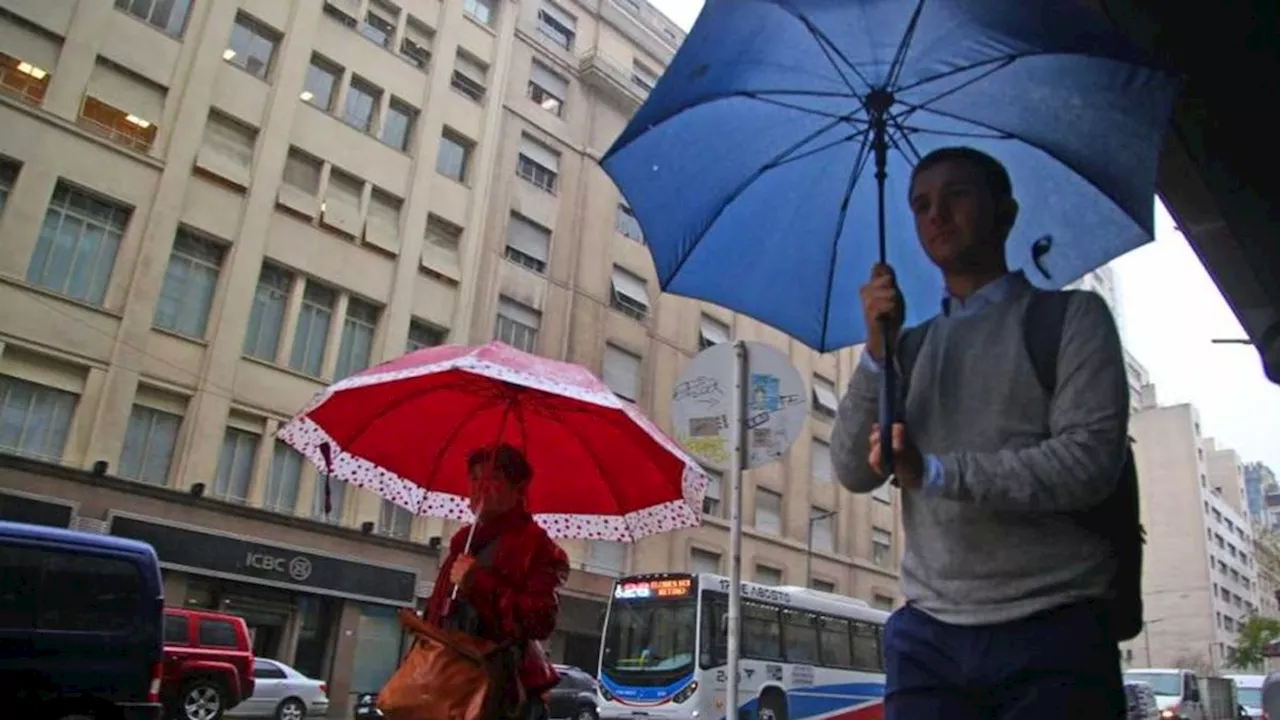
(956, 216)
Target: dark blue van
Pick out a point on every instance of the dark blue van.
(81, 618)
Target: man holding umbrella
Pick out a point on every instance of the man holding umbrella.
(1007, 613)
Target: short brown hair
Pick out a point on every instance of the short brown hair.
(506, 459)
(993, 172)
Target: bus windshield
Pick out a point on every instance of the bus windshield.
(1161, 683)
(650, 642)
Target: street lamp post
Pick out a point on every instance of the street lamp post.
(1146, 636)
(808, 555)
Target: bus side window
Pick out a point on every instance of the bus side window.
(866, 647)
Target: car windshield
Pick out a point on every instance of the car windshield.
(650, 639)
(1161, 683)
(1249, 697)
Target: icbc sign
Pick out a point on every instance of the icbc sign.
(298, 568)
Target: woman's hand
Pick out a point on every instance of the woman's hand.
(460, 573)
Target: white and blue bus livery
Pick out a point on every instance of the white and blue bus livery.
(806, 654)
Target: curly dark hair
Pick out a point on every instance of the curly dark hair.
(506, 459)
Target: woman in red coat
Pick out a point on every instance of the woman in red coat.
(508, 581)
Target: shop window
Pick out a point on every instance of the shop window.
(379, 644)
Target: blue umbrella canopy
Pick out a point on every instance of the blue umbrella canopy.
(752, 167)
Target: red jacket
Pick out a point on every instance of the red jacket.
(515, 598)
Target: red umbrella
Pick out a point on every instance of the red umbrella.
(403, 429)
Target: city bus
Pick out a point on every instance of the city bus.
(804, 653)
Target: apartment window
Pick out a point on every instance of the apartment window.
(283, 480)
(149, 443)
(76, 250)
(235, 465)
(643, 77)
(454, 158)
(394, 521)
(538, 164)
(882, 602)
(34, 419)
(768, 517)
(627, 224)
(711, 332)
(189, 284)
(822, 530)
(517, 325)
(362, 104)
(820, 461)
(8, 177)
(416, 45)
(337, 499)
(713, 501)
(557, 25)
(881, 546)
(342, 11)
(340, 210)
(380, 23)
(312, 334)
(766, 575)
(226, 149)
(629, 294)
(823, 586)
(547, 88)
(319, 87)
(482, 11)
(382, 224)
(398, 126)
(704, 561)
(252, 46)
(167, 16)
(424, 335)
(608, 558)
(24, 80)
(622, 372)
(119, 126)
(469, 76)
(266, 318)
(356, 349)
(825, 402)
(302, 171)
(528, 244)
(442, 233)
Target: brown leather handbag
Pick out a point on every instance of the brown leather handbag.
(449, 675)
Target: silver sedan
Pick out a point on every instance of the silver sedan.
(283, 693)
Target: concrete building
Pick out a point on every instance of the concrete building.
(1226, 476)
(1259, 483)
(1199, 576)
(1103, 282)
(211, 209)
(1266, 554)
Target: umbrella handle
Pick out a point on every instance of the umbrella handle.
(888, 398)
(466, 550)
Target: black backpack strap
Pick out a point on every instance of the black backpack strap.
(1042, 325)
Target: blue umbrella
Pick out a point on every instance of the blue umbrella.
(760, 164)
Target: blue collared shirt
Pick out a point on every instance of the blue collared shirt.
(993, 293)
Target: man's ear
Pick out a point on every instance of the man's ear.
(1007, 214)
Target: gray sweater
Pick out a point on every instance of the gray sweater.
(986, 538)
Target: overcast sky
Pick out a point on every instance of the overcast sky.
(1172, 310)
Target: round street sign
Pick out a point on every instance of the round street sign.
(703, 405)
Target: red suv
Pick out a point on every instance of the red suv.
(208, 663)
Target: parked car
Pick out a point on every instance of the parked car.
(80, 625)
(282, 692)
(208, 663)
(575, 695)
(1249, 694)
(1141, 701)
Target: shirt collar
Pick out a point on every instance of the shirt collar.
(993, 293)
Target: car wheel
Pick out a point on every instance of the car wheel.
(291, 709)
(201, 700)
(586, 713)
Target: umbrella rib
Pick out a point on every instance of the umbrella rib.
(823, 148)
(900, 57)
(742, 187)
(801, 108)
(828, 48)
(860, 162)
(995, 67)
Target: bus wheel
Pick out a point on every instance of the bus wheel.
(773, 706)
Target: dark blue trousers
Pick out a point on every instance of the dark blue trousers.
(1060, 663)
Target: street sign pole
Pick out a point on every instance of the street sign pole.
(738, 461)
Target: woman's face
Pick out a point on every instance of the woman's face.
(491, 494)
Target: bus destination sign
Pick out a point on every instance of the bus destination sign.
(659, 588)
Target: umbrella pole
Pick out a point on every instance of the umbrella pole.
(737, 462)
(878, 104)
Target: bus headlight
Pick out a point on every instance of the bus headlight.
(686, 692)
(605, 694)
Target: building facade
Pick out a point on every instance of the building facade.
(209, 210)
(1259, 484)
(1200, 578)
